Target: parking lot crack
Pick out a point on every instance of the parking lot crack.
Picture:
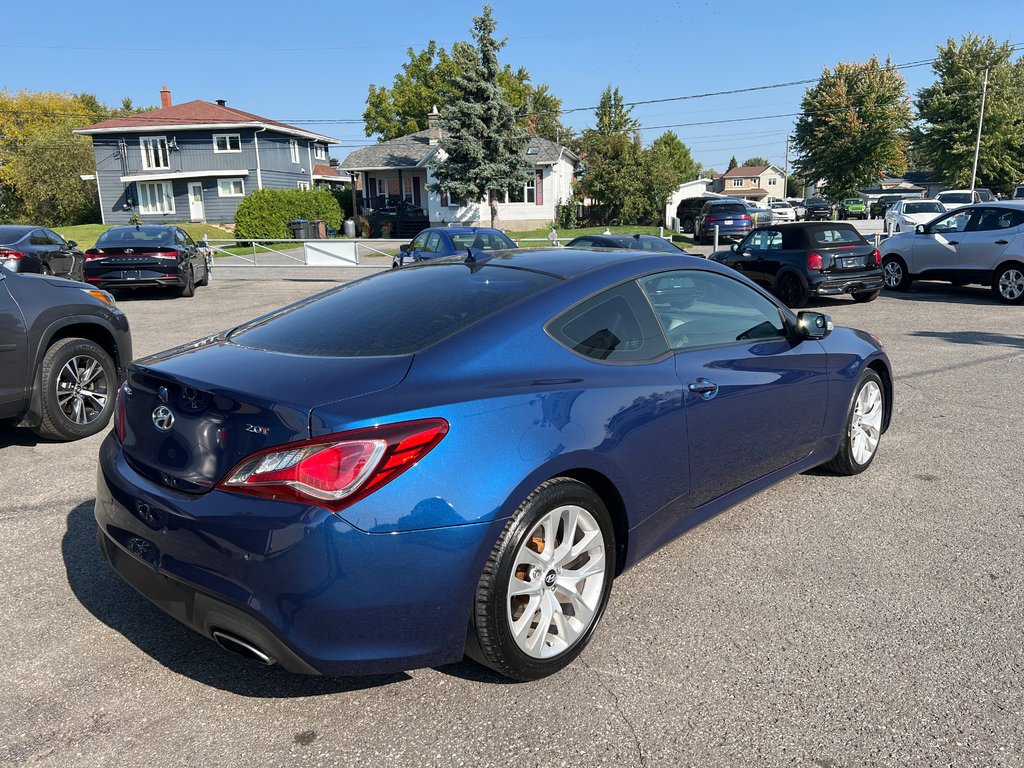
(618, 709)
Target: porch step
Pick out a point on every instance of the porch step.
(410, 226)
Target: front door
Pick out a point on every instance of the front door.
(935, 250)
(196, 210)
(13, 347)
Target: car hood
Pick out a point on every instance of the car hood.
(919, 218)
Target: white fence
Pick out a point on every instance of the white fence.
(335, 252)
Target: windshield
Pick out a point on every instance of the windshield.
(128, 236)
(781, 205)
(923, 208)
(955, 197)
(816, 201)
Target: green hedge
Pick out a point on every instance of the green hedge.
(266, 212)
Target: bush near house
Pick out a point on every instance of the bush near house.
(266, 212)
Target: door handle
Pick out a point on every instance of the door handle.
(953, 242)
(1002, 242)
(704, 387)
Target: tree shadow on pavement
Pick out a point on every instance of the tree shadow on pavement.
(175, 646)
(974, 338)
(945, 293)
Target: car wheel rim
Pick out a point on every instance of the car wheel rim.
(82, 389)
(789, 291)
(1011, 284)
(557, 579)
(893, 274)
(866, 425)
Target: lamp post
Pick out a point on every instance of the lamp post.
(977, 141)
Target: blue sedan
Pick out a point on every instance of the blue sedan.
(459, 457)
(439, 242)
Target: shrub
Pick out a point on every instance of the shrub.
(266, 212)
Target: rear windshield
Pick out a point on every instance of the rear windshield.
(728, 208)
(957, 197)
(131, 236)
(12, 234)
(394, 313)
(482, 241)
(923, 208)
(817, 201)
(852, 201)
(830, 236)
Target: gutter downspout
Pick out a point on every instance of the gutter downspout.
(256, 143)
(309, 155)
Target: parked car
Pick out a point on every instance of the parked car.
(878, 207)
(783, 211)
(953, 198)
(906, 214)
(626, 242)
(63, 351)
(1018, 193)
(798, 207)
(817, 209)
(760, 214)
(148, 256)
(447, 459)
(729, 214)
(39, 250)
(985, 195)
(687, 212)
(797, 261)
(981, 244)
(438, 242)
(853, 208)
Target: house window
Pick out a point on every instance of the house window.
(156, 197)
(154, 153)
(771, 181)
(302, 184)
(293, 146)
(320, 151)
(407, 192)
(516, 195)
(230, 187)
(227, 142)
(531, 190)
(737, 182)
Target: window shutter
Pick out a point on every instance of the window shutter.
(538, 195)
(444, 198)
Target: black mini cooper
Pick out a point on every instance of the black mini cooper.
(147, 257)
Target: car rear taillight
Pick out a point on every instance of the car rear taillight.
(12, 255)
(876, 258)
(92, 255)
(164, 255)
(119, 404)
(743, 217)
(814, 260)
(336, 470)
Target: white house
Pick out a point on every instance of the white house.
(686, 190)
(395, 175)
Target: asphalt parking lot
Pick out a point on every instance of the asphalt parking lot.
(873, 620)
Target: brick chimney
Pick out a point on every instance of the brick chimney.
(434, 126)
(222, 102)
(165, 97)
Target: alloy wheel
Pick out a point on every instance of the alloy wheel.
(82, 389)
(893, 274)
(866, 424)
(557, 581)
(1011, 284)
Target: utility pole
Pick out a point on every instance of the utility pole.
(977, 142)
(785, 181)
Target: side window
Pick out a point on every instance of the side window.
(585, 242)
(703, 309)
(433, 244)
(188, 239)
(953, 222)
(994, 219)
(38, 238)
(179, 238)
(54, 238)
(615, 326)
(765, 240)
(417, 244)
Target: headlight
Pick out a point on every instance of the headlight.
(104, 296)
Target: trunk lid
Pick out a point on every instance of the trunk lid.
(132, 257)
(847, 258)
(192, 413)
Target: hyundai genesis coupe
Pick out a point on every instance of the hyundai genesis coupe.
(459, 457)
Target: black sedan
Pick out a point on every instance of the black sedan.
(797, 261)
(147, 257)
(626, 242)
(39, 250)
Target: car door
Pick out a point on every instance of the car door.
(432, 247)
(755, 397)
(64, 260)
(13, 346)
(989, 234)
(934, 250)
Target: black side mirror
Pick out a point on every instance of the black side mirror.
(72, 244)
(404, 247)
(734, 247)
(919, 229)
(813, 325)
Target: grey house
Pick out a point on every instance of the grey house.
(196, 161)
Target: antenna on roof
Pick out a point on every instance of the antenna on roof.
(470, 258)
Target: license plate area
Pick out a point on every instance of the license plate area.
(727, 222)
(851, 262)
(131, 274)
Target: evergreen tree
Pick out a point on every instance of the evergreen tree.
(757, 161)
(482, 141)
(732, 164)
(949, 109)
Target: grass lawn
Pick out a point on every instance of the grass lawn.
(86, 235)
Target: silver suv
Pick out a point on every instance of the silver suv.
(980, 244)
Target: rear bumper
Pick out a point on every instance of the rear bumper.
(848, 284)
(314, 593)
(165, 281)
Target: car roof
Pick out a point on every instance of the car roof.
(461, 230)
(792, 225)
(571, 262)
(142, 226)
(16, 231)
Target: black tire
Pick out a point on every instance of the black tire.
(45, 270)
(1008, 283)
(55, 422)
(188, 290)
(863, 297)
(492, 642)
(394, 265)
(790, 290)
(687, 226)
(895, 273)
(845, 461)
(207, 269)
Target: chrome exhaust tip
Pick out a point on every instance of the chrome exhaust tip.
(242, 647)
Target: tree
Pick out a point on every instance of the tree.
(614, 163)
(853, 126)
(482, 141)
(795, 186)
(612, 115)
(429, 78)
(667, 163)
(949, 109)
(757, 161)
(732, 164)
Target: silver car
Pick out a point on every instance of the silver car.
(981, 244)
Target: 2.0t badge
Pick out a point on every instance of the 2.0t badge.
(163, 418)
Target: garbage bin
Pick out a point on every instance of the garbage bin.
(350, 228)
(299, 229)
(316, 230)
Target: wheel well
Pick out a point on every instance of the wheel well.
(1007, 263)
(612, 499)
(883, 373)
(92, 332)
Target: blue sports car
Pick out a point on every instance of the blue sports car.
(458, 457)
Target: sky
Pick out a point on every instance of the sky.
(304, 61)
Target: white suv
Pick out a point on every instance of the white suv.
(981, 244)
